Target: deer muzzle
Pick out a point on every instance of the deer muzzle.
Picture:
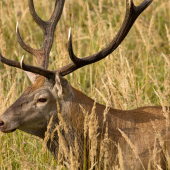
(4, 129)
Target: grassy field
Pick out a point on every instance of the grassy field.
(136, 74)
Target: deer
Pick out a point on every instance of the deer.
(51, 92)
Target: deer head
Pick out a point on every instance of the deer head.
(34, 108)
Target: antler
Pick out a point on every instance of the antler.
(42, 54)
(48, 27)
(132, 12)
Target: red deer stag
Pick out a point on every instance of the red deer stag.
(32, 111)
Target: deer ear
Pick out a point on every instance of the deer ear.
(62, 87)
(31, 76)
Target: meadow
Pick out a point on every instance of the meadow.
(136, 74)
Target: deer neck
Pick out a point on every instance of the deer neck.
(70, 122)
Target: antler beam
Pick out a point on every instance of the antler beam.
(132, 12)
(30, 68)
(48, 27)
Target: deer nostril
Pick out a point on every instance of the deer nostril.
(1, 123)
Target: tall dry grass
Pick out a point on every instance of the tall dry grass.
(136, 74)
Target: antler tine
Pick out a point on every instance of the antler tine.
(57, 13)
(132, 12)
(22, 44)
(48, 27)
(36, 18)
(74, 59)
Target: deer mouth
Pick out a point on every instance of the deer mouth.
(3, 129)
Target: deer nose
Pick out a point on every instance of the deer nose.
(1, 123)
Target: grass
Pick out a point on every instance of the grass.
(136, 74)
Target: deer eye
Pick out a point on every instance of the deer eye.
(42, 100)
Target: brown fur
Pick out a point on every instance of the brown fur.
(141, 125)
(137, 124)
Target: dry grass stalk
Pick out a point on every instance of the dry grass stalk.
(8, 71)
(105, 113)
(120, 84)
(153, 156)
(93, 166)
(60, 167)
(12, 98)
(62, 123)
(8, 96)
(93, 134)
(72, 162)
(79, 48)
(167, 32)
(100, 5)
(47, 134)
(120, 156)
(3, 18)
(2, 41)
(167, 159)
(1, 96)
(132, 146)
(86, 126)
(60, 153)
(162, 143)
(53, 133)
(151, 25)
(159, 95)
(110, 18)
(139, 28)
(102, 96)
(116, 167)
(149, 165)
(166, 113)
(81, 3)
(159, 168)
(63, 149)
(158, 135)
(90, 23)
(99, 25)
(63, 146)
(106, 149)
(76, 152)
(104, 119)
(111, 101)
